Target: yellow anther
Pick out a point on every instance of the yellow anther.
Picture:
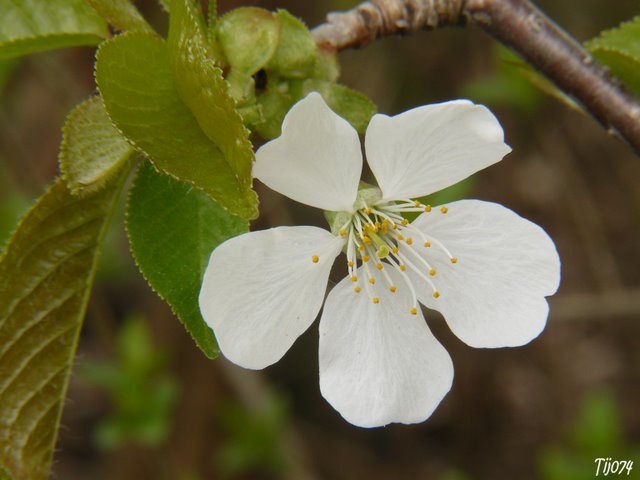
(350, 263)
(405, 222)
(436, 294)
(342, 232)
(379, 266)
(376, 300)
(315, 258)
(393, 289)
(444, 209)
(400, 237)
(385, 222)
(427, 208)
(372, 280)
(432, 272)
(365, 258)
(413, 311)
(395, 250)
(409, 241)
(357, 289)
(354, 278)
(416, 203)
(454, 260)
(366, 240)
(361, 248)
(394, 226)
(403, 267)
(427, 244)
(384, 230)
(367, 210)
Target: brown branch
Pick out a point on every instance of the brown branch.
(517, 24)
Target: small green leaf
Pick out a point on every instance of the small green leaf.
(201, 86)
(122, 14)
(173, 229)
(619, 49)
(134, 76)
(248, 37)
(295, 56)
(46, 273)
(29, 26)
(92, 149)
(355, 107)
(274, 104)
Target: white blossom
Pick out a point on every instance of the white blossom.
(486, 269)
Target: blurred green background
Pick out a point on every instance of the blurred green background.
(144, 403)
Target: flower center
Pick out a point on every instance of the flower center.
(375, 238)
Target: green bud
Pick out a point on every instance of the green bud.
(248, 36)
(295, 56)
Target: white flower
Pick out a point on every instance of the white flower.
(486, 269)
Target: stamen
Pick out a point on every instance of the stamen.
(357, 289)
(407, 280)
(453, 260)
(376, 300)
(413, 311)
(372, 281)
(342, 232)
(350, 263)
(365, 258)
(444, 209)
(393, 289)
(427, 208)
(379, 266)
(432, 272)
(427, 244)
(409, 241)
(315, 258)
(436, 294)
(354, 278)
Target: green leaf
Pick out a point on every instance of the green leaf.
(355, 107)
(201, 86)
(173, 229)
(29, 26)
(295, 56)
(122, 14)
(619, 49)
(92, 149)
(248, 37)
(134, 76)
(46, 273)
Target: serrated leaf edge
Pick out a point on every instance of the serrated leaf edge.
(133, 143)
(216, 354)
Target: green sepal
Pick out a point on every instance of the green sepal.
(172, 231)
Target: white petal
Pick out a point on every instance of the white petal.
(428, 148)
(494, 296)
(261, 291)
(317, 160)
(378, 363)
